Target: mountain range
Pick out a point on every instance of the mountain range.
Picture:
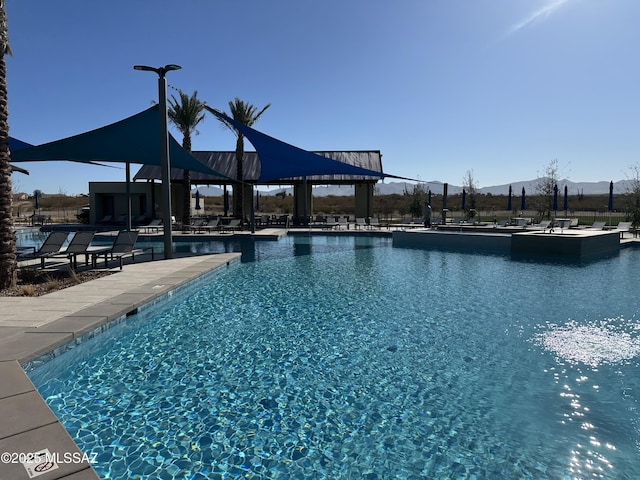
(574, 188)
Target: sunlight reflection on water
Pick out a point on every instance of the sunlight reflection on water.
(607, 341)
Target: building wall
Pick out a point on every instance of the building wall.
(110, 198)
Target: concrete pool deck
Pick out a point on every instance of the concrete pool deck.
(33, 326)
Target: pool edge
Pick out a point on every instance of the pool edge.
(28, 423)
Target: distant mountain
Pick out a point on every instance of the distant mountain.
(574, 188)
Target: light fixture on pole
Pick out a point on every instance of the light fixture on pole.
(165, 165)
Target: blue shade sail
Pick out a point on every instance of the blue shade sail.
(135, 140)
(279, 160)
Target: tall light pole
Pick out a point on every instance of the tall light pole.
(165, 165)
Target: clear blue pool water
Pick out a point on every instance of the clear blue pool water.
(338, 358)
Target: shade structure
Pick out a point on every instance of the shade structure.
(523, 201)
(610, 206)
(555, 198)
(135, 139)
(565, 200)
(15, 144)
(280, 160)
(464, 200)
(198, 207)
(509, 198)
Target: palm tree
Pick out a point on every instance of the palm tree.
(246, 114)
(8, 268)
(186, 115)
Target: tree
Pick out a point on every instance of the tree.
(416, 200)
(186, 114)
(248, 115)
(8, 267)
(633, 195)
(544, 188)
(471, 189)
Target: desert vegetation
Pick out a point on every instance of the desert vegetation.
(63, 208)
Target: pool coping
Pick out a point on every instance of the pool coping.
(33, 327)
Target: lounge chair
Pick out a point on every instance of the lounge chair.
(360, 222)
(598, 225)
(331, 222)
(78, 245)
(51, 246)
(234, 224)
(374, 222)
(343, 222)
(155, 225)
(197, 225)
(623, 227)
(122, 247)
(264, 220)
(213, 224)
(543, 225)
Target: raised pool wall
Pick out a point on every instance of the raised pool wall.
(567, 245)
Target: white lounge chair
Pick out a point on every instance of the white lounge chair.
(623, 227)
(597, 225)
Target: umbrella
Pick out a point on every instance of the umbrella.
(445, 192)
(523, 201)
(611, 196)
(429, 195)
(37, 205)
(555, 198)
(198, 207)
(226, 201)
(509, 198)
(258, 200)
(464, 199)
(566, 199)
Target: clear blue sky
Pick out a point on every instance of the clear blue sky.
(441, 87)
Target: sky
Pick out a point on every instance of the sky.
(497, 89)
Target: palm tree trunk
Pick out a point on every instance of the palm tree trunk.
(186, 187)
(186, 198)
(238, 194)
(8, 266)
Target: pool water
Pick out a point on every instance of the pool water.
(353, 359)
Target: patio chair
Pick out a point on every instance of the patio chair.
(234, 224)
(78, 245)
(597, 225)
(331, 222)
(212, 224)
(343, 222)
(123, 246)
(543, 225)
(374, 222)
(197, 225)
(51, 246)
(360, 222)
(155, 225)
(623, 227)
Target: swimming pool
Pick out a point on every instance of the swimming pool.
(337, 357)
